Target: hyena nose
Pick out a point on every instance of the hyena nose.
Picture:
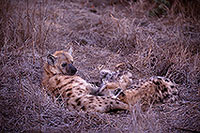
(72, 69)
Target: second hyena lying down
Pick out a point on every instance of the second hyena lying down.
(148, 91)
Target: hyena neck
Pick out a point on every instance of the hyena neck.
(48, 72)
(47, 75)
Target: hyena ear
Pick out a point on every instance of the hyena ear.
(69, 48)
(51, 59)
(70, 51)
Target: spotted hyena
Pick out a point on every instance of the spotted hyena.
(61, 81)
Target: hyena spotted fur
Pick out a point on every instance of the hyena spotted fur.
(59, 78)
(150, 91)
(156, 89)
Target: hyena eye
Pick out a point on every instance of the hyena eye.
(64, 65)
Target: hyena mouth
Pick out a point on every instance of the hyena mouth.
(72, 70)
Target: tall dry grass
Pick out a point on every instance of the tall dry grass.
(115, 33)
(183, 9)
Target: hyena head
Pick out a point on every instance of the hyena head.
(61, 62)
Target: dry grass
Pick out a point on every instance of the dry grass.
(107, 34)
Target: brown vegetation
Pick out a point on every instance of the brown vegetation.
(107, 33)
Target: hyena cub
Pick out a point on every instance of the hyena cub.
(59, 78)
(111, 82)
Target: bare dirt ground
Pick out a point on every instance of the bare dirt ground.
(107, 33)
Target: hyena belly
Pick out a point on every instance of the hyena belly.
(91, 103)
(103, 104)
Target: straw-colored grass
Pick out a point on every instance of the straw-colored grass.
(107, 33)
